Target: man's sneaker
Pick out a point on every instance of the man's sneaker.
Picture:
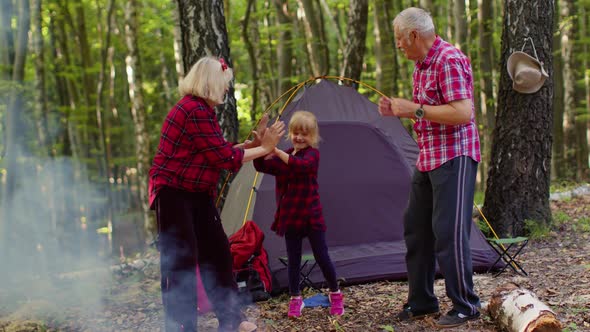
(454, 318)
(295, 306)
(336, 303)
(408, 313)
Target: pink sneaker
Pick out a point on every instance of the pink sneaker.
(336, 304)
(295, 306)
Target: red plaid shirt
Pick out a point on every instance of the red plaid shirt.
(192, 151)
(444, 76)
(298, 199)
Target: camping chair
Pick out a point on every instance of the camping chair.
(305, 281)
(502, 246)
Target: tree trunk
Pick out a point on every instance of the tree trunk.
(315, 41)
(518, 183)
(356, 37)
(253, 57)
(6, 39)
(582, 126)
(208, 37)
(460, 25)
(517, 309)
(178, 43)
(486, 79)
(14, 126)
(558, 159)
(284, 46)
(569, 80)
(138, 112)
(385, 50)
(450, 21)
(41, 92)
(335, 26)
(428, 5)
(164, 70)
(101, 122)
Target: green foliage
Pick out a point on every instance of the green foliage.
(563, 185)
(560, 218)
(479, 197)
(484, 228)
(387, 328)
(583, 225)
(535, 229)
(572, 327)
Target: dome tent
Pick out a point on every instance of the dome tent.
(364, 177)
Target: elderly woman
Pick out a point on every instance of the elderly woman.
(183, 179)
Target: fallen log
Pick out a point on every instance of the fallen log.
(520, 310)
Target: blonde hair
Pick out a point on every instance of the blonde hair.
(207, 79)
(307, 122)
(413, 18)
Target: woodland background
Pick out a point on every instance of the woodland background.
(85, 86)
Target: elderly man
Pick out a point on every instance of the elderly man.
(437, 222)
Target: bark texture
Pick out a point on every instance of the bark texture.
(203, 32)
(357, 34)
(517, 309)
(518, 183)
(138, 112)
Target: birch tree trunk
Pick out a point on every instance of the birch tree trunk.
(517, 309)
(356, 37)
(201, 37)
(518, 183)
(138, 112)
(557, 157)
(385, 50)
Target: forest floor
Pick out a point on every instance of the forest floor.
(558, 265)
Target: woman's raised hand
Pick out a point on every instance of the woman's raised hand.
(260, 130)
(272, 136)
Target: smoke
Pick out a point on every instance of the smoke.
(52, 258)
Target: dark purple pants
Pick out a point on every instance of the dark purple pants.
(190, 231)
(317, 240)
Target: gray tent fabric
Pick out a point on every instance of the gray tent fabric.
(366, 164)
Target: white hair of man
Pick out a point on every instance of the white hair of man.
(414, 19)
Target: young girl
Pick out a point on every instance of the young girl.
(299, 212)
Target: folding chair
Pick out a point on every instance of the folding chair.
(506, 255)
(303, 271)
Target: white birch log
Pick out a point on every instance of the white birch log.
(520, 310)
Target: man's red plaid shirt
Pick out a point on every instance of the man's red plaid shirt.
(297, 194)
(192, 151)
(442, 77)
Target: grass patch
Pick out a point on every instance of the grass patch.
(563, 185)
(484, 228)
(479, 197)
(536, 230)
(584, 223)
(560, 218)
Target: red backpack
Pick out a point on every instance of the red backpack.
(250, 261)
